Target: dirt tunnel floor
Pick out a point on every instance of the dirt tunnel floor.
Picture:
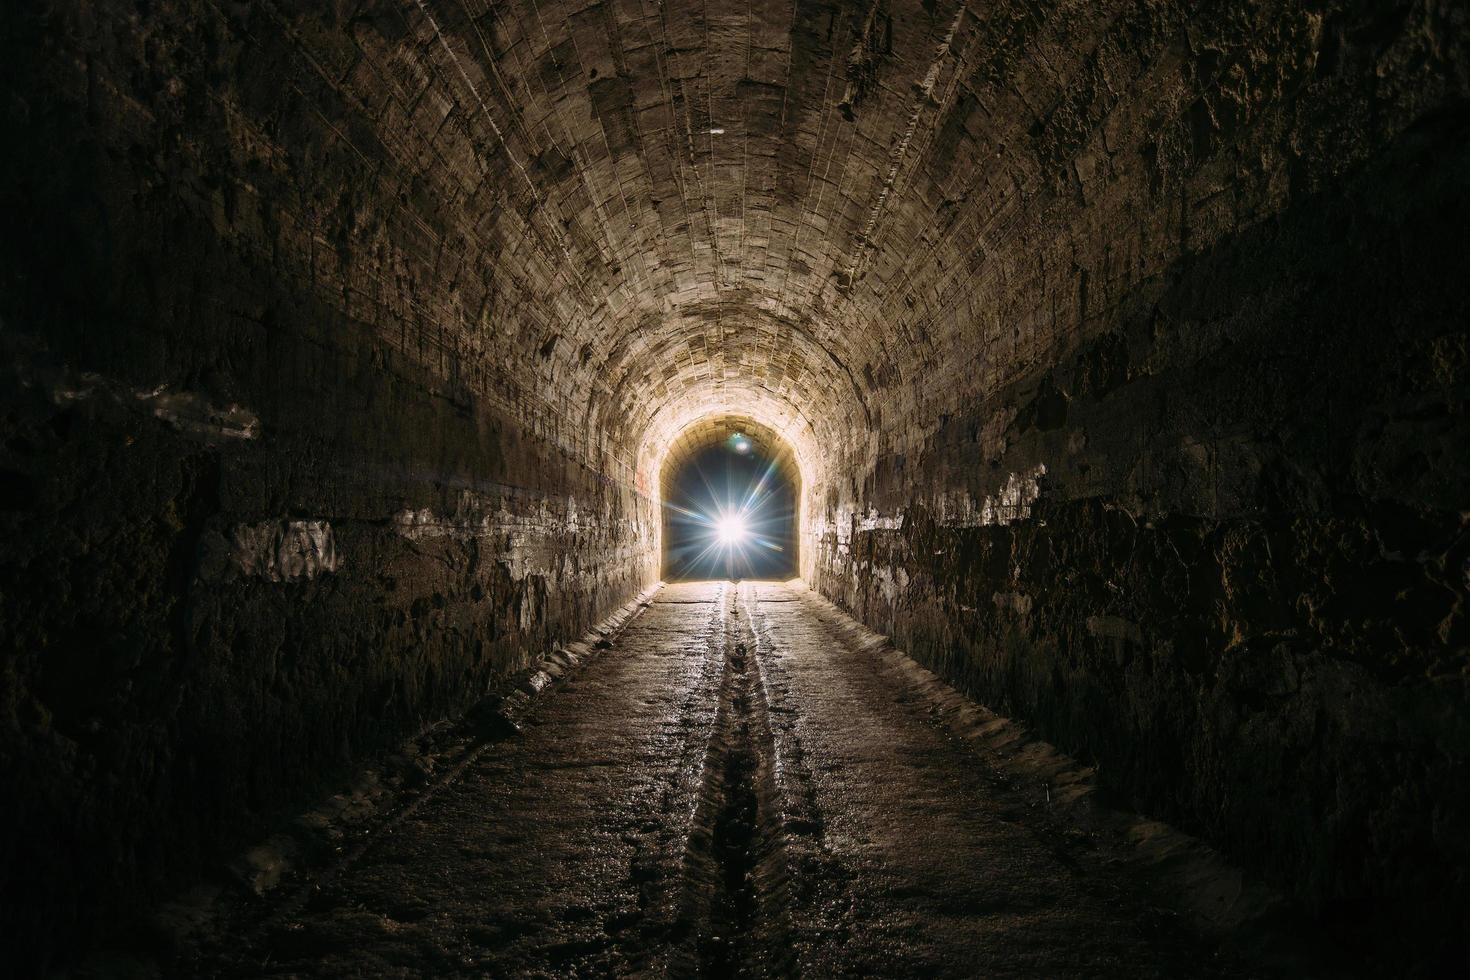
(734, 788)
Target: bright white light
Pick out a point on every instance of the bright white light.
(731, 530)
(716, 131)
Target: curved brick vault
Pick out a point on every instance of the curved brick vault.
(844, 221)
(616, 217)
(634, 209)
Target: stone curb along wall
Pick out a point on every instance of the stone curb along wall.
(259, 523)
(1220, 549)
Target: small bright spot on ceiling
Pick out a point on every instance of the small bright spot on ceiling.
(716, 131)
(739, 443)
(731, 530)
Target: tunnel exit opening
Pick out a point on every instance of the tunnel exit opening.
(730, 492)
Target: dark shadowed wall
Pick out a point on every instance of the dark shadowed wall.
(264, 510)
(1207, 527)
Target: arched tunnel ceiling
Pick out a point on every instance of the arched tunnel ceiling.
(702, 184)
(714, 429)
(703, 208)
(676, 423)
(838, 217)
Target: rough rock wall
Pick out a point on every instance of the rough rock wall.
(1218, 545)
(258, 521)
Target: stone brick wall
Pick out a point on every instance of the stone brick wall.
(269, 501)
(1201, 521)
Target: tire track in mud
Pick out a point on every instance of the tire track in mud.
(737, 862)
(819, 897)
(656, 866)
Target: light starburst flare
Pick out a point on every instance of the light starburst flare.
(731, 529)
(722, 529)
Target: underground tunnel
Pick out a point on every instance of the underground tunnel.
(843, 487)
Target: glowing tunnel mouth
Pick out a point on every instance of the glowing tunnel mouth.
(729, 486)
